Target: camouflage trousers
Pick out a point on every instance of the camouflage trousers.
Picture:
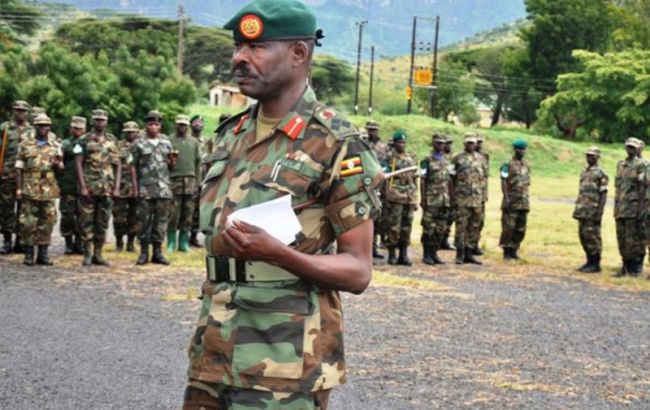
(37, 220)
(590, 238)
(69, 208)
(449, 222)
(629, 237)
(125, 217)
(513, 228)
(153, 214)
(195, 215)
(399, 222)
(94, 214)
(481, 225)
(434, 224)
(467, 227)
(180, 218)
(219, 397)
(8, 212)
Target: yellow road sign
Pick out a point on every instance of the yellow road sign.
(423, 77)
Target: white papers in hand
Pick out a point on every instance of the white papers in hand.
(276, 217)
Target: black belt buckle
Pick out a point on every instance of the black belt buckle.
(240, 271)
(220, 266)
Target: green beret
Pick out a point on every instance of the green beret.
(519, 144)
(399, 136)
(196, 117)
(267, 20)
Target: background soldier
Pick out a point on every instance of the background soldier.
(515, 182)
(435, 194)
(98, 172)
(36, 161)
(466, 170)
(589, 210)
(196, 122)
(12, 133)
(69, 185)
(448, 153)
(485, 157)
(382, 151)
(628, 205)
(401, 201)
(152, 159)
(125, 220)
(184, 185)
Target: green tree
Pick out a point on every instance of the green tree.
(630, 23)
(331, 78)
(17, 19)
(455, 92)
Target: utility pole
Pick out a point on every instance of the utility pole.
(356, 90)
(410, 95)
(434, 77)
(372, 74)
(181, 42)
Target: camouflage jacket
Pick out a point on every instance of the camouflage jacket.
(517, 177)
(593, 182)
(150, 161)
(36, 162)
(124, 148)
(630, 176)
(67, 178)
(381, 150)
(401, 189)
(466, 171)
(435, 181)
(15, 135)
(485, 158)
(100, 155)
(314, 154)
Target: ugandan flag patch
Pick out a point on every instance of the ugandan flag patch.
(351, 166)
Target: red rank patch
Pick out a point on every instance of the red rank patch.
(327, 114)
(240, 124)
(294, 127)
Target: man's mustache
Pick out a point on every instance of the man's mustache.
(241, 70)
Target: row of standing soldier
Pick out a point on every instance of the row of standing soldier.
(147, 181)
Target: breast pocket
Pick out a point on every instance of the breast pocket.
(282, 181)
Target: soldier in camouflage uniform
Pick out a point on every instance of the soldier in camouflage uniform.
(98, 172)
(435, 193)
(629, 203)
(196, 122)
(283, 145)
(401, 199)
(515, 183)
(466, 170)
(125, 218)
(153, 158)
(590, 205)
(485, 157)
(382, 151)
(68, 183)
(184, 185)
(36, 161)
(12, 133)
(448, 154)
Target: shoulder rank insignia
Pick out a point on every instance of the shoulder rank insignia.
(351, 166)
(327, 114)
(294, 127)
(240, 124)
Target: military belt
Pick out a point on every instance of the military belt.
(225, 269)
(40, 174)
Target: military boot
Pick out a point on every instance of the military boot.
(171, 241)
(157, 256)
(447, 246)
(392, 260)
(375, 252)
(78, 246)
(593, 265)
(69, 245)
(513, 253)
(130, 247)
(6, 246)
(29, 256)
(622, 271)
(403, 258)
(433, 252)
(194, 240)
(119, 243)
(586, 264)
(469, 257)
(460, 256)
(17, 246)
(43, 258)
(184, 241)
(144, 253)
(88, 254)
(478, 251)
(98, 259)
(426, 256)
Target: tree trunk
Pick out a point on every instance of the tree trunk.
(496, 112)
(569, 131)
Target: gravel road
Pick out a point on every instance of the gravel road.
(481, 338)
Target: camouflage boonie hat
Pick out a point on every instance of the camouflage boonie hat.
(130, 126)
(21, 105)
(182, 119)
(372, 125)
(593, 151)
(448, 139)
(36, 111)
(469, 137)
(78, 122)
(439, 138)
(42, 119)
(480, 138)
(153, 115)
(100, 115)
(641, 143)
(632, 142)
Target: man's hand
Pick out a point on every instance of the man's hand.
(248, 242)
(84, 192)
(19, 194)
(116, 193)
(134, 192)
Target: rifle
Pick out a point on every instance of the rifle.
(3, 149)
(400, 171)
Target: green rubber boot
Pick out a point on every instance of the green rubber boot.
(184, 241)
(171, 241)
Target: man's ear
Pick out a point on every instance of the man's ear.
(299, 54)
